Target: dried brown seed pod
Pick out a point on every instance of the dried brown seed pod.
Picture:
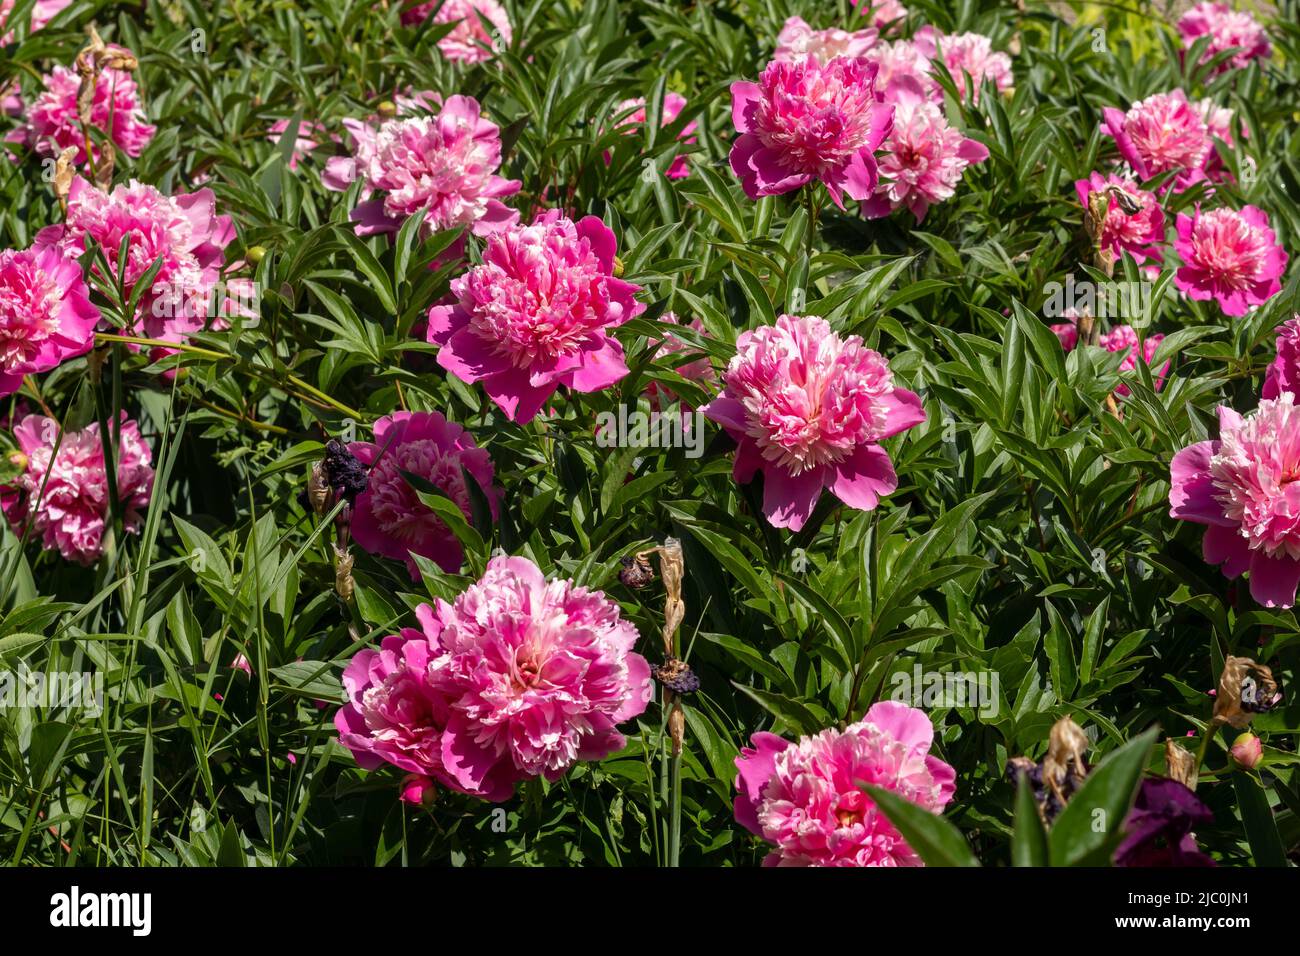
(1245, 689)
(1180, 764)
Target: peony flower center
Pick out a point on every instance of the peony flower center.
(814, 117)
(1229, 248)
(1168, 133)
(426, 164)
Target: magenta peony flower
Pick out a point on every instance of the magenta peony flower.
(966, 53)
(51, 123)
(521, 677)
(1227, 29)
(806, 797)
(806, 121)
(1138, 233)
(1123, 338)
(183, 230)
(808, 409)
(1284, 374)
(1229, 256)
(674, 103)
(535, 314)
(467, 41)
(45, 314)
(444, 166)
(388, 518)
(1161, 133)
(924, 157)
(797, 41)
(1246, 487)
(64, 494)
(1068, 333)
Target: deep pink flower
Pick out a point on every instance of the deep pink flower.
(1246, 487)
(388, 518)
(803, 122)
(797, 40)
(924, 157)
(806, 797)
(342, 171)
(51, 122)
(809, 408)
(1123, 338)
(444, 166)
(521, 677)
(1229, 256)
(967, 53)
(1138, 233)
(674, 103)
(536, 314)
(1284, 374)
(1162, 133)
(463, 42)
(1068, 333)
(45, 315)
(1227, 29)
(64, 494)
(417, 790)
(183, 230)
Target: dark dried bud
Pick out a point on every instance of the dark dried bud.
(676, 675)
(347, 476)
(637, 572)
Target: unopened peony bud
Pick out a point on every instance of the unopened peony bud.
(18, 460)
(387, 109)
(418, 790)
(1247, 751)
(618, 267)
(255, 254)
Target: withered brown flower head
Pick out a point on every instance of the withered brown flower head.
(1056, 778)
(676, 675)
(637, 572)
(1245, 689)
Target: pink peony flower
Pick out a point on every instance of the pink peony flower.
(1123, 338)
(897, 60)
(342, 171)
(388, 518)
(807, 121)
(309, 137)
(797, 41)
(183, 230)
(808, 409)
(521, 677)
(1284, 374)
(1246, 487)
(1229, 256)
(1068, 333)
(924, 157)
(1219, 120)
(42, 13)
(45, 314)
(967, 53)
(63, 494)
(1247, 751)
(1162, 133)
(1227, 29)
(444, 166)
(674, 103)
(1139, 232)
(467, 41)
(51, 122)
(806, 798)
(535, 314)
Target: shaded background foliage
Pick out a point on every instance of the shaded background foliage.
(1029, 536)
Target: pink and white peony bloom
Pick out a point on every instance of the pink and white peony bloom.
(519, 678)
(342, 171)
(924, 157)
(388, 518)
(1230, 256)
(967, 53)
(797, 41)
(63, 495)
(443, 166)
(883, 12)
(1134, 223)
(51, 123)
(1228, 29)
(536, 314)
(803, 122)
(897, 60)
(674, 103)
(808, 408)
(469, 41)
(1284, 374)
(45, 314)
(806, 798)
(42, 13)
(1246, 487)
(1160, 134)
(183, 230)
